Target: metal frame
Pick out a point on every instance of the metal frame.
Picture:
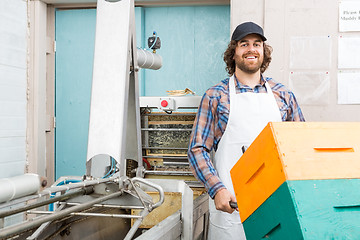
(114, 120)
(148, 104)
(182, 224)
(186, 205)
(168, 229)
(181, 102)
(128, 186)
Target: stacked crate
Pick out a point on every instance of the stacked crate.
(301, 181)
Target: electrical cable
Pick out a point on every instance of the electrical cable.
(111, 171)
(114, 169)
(147, 163)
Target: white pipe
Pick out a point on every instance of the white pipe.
(19, 186)
(148, 59)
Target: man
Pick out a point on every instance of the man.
(231, 114)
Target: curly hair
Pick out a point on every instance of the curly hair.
(230, 62)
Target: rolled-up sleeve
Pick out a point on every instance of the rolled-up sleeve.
(294, 114)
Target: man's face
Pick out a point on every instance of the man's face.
(249, 54)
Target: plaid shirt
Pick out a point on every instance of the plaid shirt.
(211, 121)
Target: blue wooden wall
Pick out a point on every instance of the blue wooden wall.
(75, 37)
(193, 41)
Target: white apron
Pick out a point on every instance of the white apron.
(249, 114)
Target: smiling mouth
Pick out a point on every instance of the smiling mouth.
(251, 57)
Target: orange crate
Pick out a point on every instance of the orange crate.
(294, 151)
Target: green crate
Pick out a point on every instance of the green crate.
(308, 209)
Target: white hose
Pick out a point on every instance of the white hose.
(19, 186)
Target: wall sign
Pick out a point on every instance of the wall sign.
(348, 87)
(349, 16)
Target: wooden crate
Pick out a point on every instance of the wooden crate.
(308, 209)
(172, 203)
(294, 151)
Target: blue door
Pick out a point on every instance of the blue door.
(193, 40)
(75, 35)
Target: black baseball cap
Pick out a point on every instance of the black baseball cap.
(247, 28)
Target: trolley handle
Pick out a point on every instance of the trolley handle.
(153, 185)
(233, 204)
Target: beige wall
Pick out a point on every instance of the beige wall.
(282, 21)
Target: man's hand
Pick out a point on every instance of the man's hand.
(222, 199)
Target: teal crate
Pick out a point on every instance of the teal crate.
(308, 209)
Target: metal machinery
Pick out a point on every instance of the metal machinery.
(166, 124)
(166, 134)
(122, 193)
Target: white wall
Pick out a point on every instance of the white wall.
(316, 21)
(13, 85)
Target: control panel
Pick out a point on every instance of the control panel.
(167, 104)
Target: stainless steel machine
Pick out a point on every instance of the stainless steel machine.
(166, 124)
(87, 209)
(133, 178)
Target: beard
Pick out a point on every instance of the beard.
(246, 67)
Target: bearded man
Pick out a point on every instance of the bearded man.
(231, 115)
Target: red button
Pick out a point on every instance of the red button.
(164, 103)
